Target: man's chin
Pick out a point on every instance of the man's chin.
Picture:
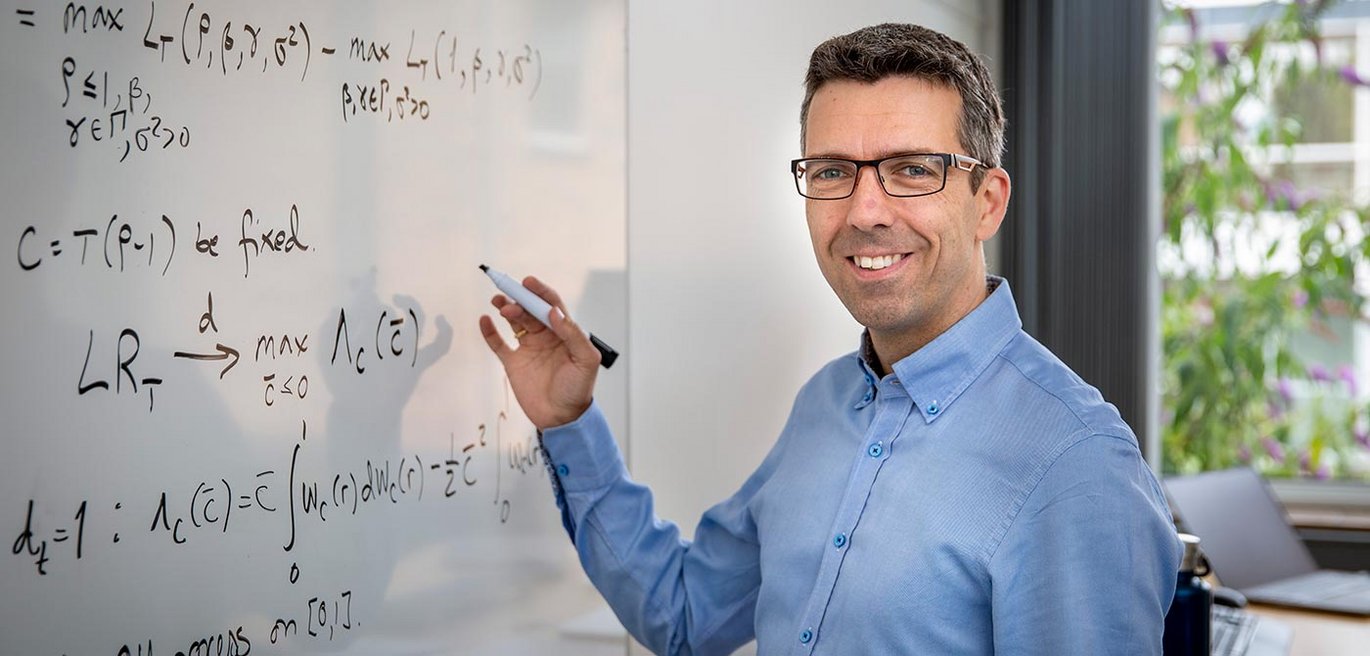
(881, 320)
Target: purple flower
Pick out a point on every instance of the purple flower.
(1220, 51)
(1284, 191)
(1323, 471)
(1244, 454)
(1300, 298)
(1273, 448)
(1363, 437)
(1319, 373)
(1282, 386)
(1348, 375)
(1349, 74)
(1274, 410)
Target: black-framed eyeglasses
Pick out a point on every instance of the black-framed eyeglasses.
(902, 176)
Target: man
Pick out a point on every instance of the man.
(949, 488)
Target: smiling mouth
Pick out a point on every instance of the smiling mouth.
(877, 262)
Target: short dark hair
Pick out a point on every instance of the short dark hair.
(874, 53)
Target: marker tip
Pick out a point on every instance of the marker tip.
(484, 268)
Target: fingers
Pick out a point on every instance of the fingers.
(518, 319)
(524, 324)
(547, 293)
(492, 338)
(575, 338)
(577, 342)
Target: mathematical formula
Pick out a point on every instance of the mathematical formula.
(209, 510)
(114, 108)
(122, 244)
(204, 357)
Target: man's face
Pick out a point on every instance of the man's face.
(937, 274)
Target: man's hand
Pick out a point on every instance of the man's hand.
(552, 371)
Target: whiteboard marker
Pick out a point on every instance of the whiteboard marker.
(534, 305)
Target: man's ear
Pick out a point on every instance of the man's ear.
(992, 202)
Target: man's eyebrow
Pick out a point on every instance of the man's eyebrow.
(918, 150)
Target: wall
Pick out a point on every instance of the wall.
(729, 314)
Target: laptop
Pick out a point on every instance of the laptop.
(1251, 546)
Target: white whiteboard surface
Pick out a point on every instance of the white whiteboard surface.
(181, 479)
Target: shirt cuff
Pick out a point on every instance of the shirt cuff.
(583, 454)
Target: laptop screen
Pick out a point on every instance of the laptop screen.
(1241, 526)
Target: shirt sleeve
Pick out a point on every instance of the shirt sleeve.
(675, 596)
(1089, 563)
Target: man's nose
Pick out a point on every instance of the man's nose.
(869, 202)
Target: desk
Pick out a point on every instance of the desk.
(1321, 634)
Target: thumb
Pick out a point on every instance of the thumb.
(582, 351)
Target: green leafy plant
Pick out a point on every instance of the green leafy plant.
(1252, 259)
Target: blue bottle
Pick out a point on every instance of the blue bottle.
(1187, 624)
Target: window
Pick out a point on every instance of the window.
(1263, 258)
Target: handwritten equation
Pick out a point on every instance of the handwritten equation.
(209, 509)
(141, 109)
(121, 244)
(392, 340)
(211, 506)
(391, 78)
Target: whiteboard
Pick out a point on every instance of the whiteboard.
(247, 408)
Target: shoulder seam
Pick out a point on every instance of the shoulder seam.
(1077, 438)
(1083, 424)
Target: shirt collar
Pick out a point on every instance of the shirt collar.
(935, 376)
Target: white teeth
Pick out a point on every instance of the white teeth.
(876, 263)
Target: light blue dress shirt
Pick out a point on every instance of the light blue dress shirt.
(980, 499)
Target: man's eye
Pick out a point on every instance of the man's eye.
(915, 171)
(830, 173)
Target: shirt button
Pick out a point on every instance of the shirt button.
(932, 408)
(806, 636)
(563, 470)
(875, 450)
(839, 540)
